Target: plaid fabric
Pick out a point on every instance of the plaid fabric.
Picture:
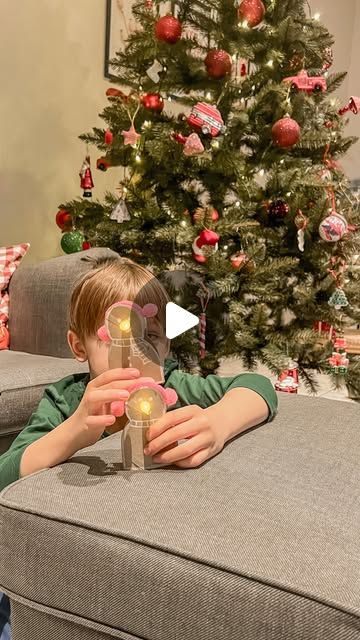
(10, 258)
(5, 633)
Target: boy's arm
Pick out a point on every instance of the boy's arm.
(206, 392)
(212, 411)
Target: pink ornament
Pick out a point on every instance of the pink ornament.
(333, 227)
(193, 146)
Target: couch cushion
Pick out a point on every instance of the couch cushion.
(260, 543)
(23, 377)
(40, 296)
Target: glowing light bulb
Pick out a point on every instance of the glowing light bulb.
(282, 161)
(317, 16)
(261, 172)
(169, 98)
(245, 24)
(270, 63)
(234, 57)
(237, 203)
(124, 325)
(208, 95)
(145, 407)
(183, 223)
(215, 144)
(125, 189)
(138, 158)
(225, 247)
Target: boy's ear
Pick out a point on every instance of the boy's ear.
(76, 347)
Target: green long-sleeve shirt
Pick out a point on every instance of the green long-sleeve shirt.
(61, 399)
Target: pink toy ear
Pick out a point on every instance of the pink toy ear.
(171, 396)
(118, 408)
(103, 334)
(150, 310)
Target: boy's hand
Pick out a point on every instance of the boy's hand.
(204, 439)
(93, 414)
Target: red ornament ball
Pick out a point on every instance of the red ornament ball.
(286, 133)
(168, 29)
(153, 101)
(86, 245)
(63, 219)
(253, 11)
(278, 210)
(208, 237)
(218, 63)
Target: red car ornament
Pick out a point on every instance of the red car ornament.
(207, 119)
(303, 82)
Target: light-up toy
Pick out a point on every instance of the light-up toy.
(125, 329)
(146, 404)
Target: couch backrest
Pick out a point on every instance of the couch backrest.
(39, 299)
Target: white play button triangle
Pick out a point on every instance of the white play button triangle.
(178, 320)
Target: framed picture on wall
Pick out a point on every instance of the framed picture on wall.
(119, 24)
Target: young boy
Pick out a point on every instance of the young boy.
(75, 412)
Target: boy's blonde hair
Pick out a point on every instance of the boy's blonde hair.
(115, 280)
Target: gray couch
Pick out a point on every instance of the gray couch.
(260, 543)
(39, 354)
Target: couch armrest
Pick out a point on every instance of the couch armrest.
(39, 298)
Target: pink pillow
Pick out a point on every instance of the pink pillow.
(10, 258)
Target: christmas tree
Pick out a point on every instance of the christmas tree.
(224, 135)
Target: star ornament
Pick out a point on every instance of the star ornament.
(131, 136)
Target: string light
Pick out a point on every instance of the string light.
(317, 16)
(270, 63)
(208, 95)
(234, 57)
(215, 144)
(225, 247)
(183, 223)
(237, 203)
(138, 157)
(169, 98)
(261, 172)
(282, 161)
(147, 124)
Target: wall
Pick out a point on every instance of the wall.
(343, 21)
(51, 67)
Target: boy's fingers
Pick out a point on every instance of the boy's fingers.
(182, 451)
(125, 383)
(100, 421)
(195, 460)
(114, 374)
(100, 397)
(172, 434)
(170, 419)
